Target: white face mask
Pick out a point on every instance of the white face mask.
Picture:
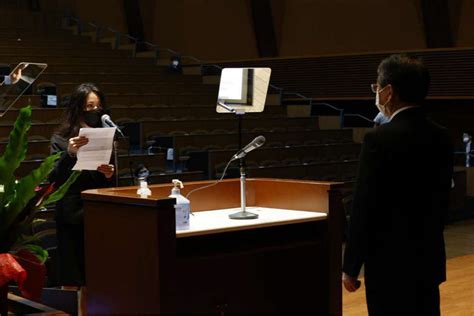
(466, 138)
(381, 107)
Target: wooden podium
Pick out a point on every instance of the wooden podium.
(288, 261)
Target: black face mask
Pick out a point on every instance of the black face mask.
(93, 118)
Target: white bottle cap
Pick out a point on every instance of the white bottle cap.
(177, 184)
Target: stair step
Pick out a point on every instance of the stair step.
(210, 79)
(273, 99)
(149, 54)
(192, 70)
(91, 34)
(110, 40)
(127, 46)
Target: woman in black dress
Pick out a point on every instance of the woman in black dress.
(85, 108)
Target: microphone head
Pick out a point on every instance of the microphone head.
(259, 141)
(104, 118)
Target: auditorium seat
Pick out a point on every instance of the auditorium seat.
(199, 132)
(124, 120)
(278, 129)
(307, 159)
(259, 130)
(231, 146)
(175, 133)
(274, 144)
(292, 143)
(36, 156)
(186, 150)
(295, 128)
(211, 147)
(118, 106)
(291, 161)
(310, 142)
(37, 137)
(153, 134)
(219, 131)
(270, 163)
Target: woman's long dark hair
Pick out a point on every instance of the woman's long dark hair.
(74, 113)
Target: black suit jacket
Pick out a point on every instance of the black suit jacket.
(401, 201)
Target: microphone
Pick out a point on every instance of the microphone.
(107, 122)
(254, 144)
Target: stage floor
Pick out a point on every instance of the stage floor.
(457, 294)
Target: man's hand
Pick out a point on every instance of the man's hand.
(16, 75)
(350, 283)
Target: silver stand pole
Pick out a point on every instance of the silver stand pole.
(243, 214)
(116, 164)
(243, 201)
(468, 154)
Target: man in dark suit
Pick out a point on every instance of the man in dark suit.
(401, 199)
(13, 78)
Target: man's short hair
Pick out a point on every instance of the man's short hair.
(408, 76)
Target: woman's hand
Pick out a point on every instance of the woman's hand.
(107, 170)
(75, 143)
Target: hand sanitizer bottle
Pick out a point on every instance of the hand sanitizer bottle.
(182, 206)
(143, 190)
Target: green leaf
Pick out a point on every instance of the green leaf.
(24, 240)
(25, 190)
(59, 193)
(36, 250)
(14, 154)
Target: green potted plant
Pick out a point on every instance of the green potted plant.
(21, 258)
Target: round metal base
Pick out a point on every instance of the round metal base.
(243, 215)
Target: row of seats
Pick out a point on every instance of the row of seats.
(132, 98)
(74, 60)
(151, 128)
(230, 140)
(125, 162)
(312, 77)
(142, 112)
(144, 87)
(273, 154)
(344, 171)
(133, 77)
(161, 176)
(183, 143)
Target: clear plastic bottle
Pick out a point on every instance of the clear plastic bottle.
(143, 190)
(182, 207)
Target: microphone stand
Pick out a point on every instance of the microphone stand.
(243, 214)
(109, 123)
(468, 153)
(116, 164)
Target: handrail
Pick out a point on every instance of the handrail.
(157, 49)
(342, 114)
(361, 116)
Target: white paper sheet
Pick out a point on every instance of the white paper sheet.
(97, 151)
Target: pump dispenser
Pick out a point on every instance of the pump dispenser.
(143, 191)
(182, 206)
